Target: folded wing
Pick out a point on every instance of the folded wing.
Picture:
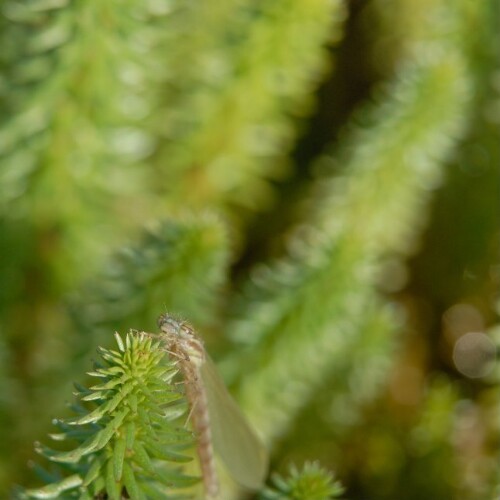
(234, 440)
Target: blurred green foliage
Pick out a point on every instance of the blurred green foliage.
(311, 483)
(314, 184)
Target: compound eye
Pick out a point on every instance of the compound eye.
(161, 320)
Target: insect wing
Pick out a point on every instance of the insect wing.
(234, 440)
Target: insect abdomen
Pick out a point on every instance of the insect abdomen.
(200, 418)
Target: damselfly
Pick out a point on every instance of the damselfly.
(216, 418)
